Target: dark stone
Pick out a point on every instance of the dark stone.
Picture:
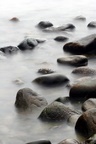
(9, 49)
(88, 104)
(84, 89)
(92, 24)
(45, 24)
(83, 46)
(27, 98)
(51, 80)
(40, 142)
(45, 71)
(84, 71)
(57, 111)
(80, 18)
(28, 44)
(14, 19)
(76, 60)
(61, 39)
(86, 124)
(69, 141)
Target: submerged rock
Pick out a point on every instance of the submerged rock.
(57, 111)
(88, 104)
(86, 124)
(40, 142)
(28, 44)
(45, 24)
(45, 71)
(76, 60)
(27, 98)
(14, 19)
(84, 71)
(92, 24)
(80, 18)
(83, 46)
(84, 89)
(9, 49)
(61, 39)
(69, 141)
(51, 80)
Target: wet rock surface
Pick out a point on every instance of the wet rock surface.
(83, 46)
(69, 141)
(80, 18)
(45, 71)
(14, 19)
(9, 49)
(86, 123)
(27, 98)
(45, 24)
(89, 104)
(73, 60)
(92, 24)
(51, 80)
(61, 39)
(40, 142)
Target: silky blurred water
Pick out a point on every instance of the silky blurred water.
(24, 127)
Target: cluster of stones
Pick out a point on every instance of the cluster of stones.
(84, 90)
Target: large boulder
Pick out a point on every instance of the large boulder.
(45, 24)
(9, 49)
(57, 111)
(26, 98)
(86, 123)
(92, 24)
(88, 104)
(84, 71)
(83, 90)
(51, 80)
(76, 60)
(83, 46)
(28, 44)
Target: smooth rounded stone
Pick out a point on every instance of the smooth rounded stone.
(45, 71)
(83, 46)
(80, 18)
(61, 28)
(45, 24)
(27, 98)
(92, 24)
(83, 89)
(51, 80)
(28, 44)
(40, 142)
(77, 60)
(84, 71)
(57, 111)
(14, 19)
(88, 104)
(40, 40)
(18, 82)
(9, 49)
(69, 141)
(86, 123)
(61, 39)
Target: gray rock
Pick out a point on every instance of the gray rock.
(45, 24)
(80, 18)
(40, 142)
(9, 49)
(14, 19)
(88, 104)
(86, 124)
(27, 98)
(77, 60)
(57, 111)
(51, 80)
(92, 24)
(61, 39)
(83, 46)
(45, 71)
(69, 141)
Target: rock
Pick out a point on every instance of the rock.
(40, 142)
(92, 24)
(86, 124)
(83, 89)
(77, 60)
(14, 19)
(9, 49)
(88, 104)
(27, 98)
(28, 44)
(45, 24)
(18, 82)
(83, 46)
(57, 111)
(84, 71)
(45, 71)
(61, 39)
(80, 18)
(60, 28)
(51, 80)
(69, 141)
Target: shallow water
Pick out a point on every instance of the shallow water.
(23, 127)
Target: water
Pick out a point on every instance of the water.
(18, 127)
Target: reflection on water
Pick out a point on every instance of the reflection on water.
(25, 127)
